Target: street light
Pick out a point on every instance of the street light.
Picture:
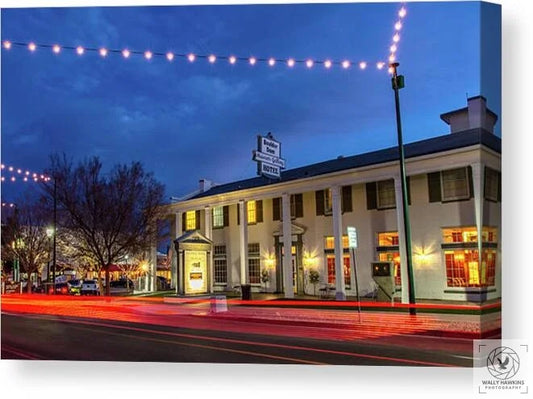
(397, 84)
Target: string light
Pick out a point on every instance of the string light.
(396, 38)
(191, 57)
(8, 205)
(362, 65)
(25, 175)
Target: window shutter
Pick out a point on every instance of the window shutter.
(238, 214)
(225, 212)
(470, 181)
(276, 208)
(259, 211)
(371, 196)
(408, 179)
(319, 196)
(499, 186)
(197, 217)
(299, 205)
(346, 203)
(183, 222)
(434, 190)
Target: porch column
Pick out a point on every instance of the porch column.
(243, 240)
(478, 182)
(209, 234)
(340, 288)
(288, 288)
(175, 232)
(401, 239)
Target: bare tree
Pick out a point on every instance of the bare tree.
(111, 214)
(25, 238)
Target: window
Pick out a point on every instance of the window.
(254, 212)
(190, 220)
(388, 251)
(386, 194)
(296, 203)
(455, 184)
(330, 242)
(328, 201)
(254, 263)
(463, 269)
(221, 264)
(324, 201)
(218, 217)
(468, 235)
(492, 185)
(331, 269)
(251, 209)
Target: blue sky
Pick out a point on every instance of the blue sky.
(186, 121)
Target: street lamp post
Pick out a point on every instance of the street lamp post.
(50, 233)
(54, 239)
(397, 84)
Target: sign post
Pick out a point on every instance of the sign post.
(352, 244)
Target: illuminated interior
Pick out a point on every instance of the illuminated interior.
(252, 213)
(390, 239)
(190, 220)
(462, 268)
(468, 234)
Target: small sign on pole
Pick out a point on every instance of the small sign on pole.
(268, 157)
(352, 244)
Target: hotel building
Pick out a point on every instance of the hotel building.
(286, 229)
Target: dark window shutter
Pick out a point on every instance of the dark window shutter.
(499, 186)
(346, 199)
(225, 212)
(434, 187)
(470, 181)
(259, 211)
(408, 179)
(319, 196)
(371, 196)
(183, 222)
(197, 217)
(238, 214)
(299, 205)
(276, 208)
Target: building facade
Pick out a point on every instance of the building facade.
(274, 234)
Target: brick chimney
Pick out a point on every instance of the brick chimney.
(475, 115)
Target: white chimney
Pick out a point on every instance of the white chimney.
(475, 115)
(205, 185)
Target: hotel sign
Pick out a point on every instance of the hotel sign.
(268, 157)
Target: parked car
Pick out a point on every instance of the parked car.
(74, 287)
(89, 287)
(60, 288)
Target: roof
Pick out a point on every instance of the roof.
(424, 147)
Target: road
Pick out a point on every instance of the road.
(193, 339)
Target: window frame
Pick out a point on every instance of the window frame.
(460, 197)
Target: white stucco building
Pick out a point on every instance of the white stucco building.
(454, 185)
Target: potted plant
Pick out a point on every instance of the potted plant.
(265, 277)
(314, 278)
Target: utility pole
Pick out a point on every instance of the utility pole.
(397, 84)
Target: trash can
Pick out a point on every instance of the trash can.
(246, 292)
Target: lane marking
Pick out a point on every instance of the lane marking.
(255, 343)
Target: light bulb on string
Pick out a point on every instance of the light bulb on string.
(396, 38)
(345, 64)
(212, 58)
(80, 50)
(380, 65)
(32, 47)
(56, 49)
(191, 57)
(148, 55)
(253, 60)
(362, 65)
(290, 62)
(403, 12)
(232, 59)
(125, 53)
(7, 44)
(328, 64)
(398, 25)
(170, 56)
(103, 52)
(271, 61)
(309, 63)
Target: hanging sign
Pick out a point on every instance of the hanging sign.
(268, 157)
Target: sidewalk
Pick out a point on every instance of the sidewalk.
(372, 320)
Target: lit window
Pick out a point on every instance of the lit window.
(330, 259)
(330, 242)
(218, 217)
(386, 194)
(252, 212)
(391, 254)
(190, 220)
(388, 239)
(468, 234)
(455, 184)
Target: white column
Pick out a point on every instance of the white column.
(172, 252)
(401, 239)
(209, 234)
(340, 288)
(478, 177)
(243, 241)
(288, 288)
(153, 265)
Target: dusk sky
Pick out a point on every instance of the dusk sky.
(186, 121)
